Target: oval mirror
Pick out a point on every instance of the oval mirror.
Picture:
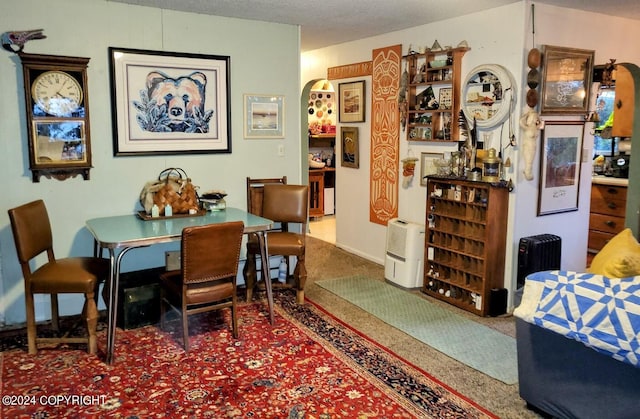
(488, 95)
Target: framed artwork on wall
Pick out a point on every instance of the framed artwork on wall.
(560, 167)
(445, 98)
(427, 166)
(566, 80)
(263, 116)
(169, 102)
(351, 98)
(350, 147)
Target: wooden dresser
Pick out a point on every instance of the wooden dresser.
(606, 218)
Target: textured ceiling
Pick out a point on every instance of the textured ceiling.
(330, 22)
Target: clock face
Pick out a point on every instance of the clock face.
(57, 93)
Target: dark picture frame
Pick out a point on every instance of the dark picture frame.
(560, 165)
(169, 102)
(350, 147)
(566, 80)
(351, 101)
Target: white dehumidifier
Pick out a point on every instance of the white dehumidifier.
(404, 257)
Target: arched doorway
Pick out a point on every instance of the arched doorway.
(318, 122)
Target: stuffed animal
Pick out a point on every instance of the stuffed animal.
(529, 122)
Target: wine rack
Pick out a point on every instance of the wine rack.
(465, 241)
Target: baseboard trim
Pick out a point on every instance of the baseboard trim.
(359, 253)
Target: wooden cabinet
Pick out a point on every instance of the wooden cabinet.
(316, 193)
(465, 241)
(624, 103)
(607, 216)
(433, 96)
(321, 178)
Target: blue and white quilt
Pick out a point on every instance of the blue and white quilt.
(601, 312)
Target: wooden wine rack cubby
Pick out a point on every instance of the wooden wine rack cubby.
(465, 241)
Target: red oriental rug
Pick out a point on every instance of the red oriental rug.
(310, 365)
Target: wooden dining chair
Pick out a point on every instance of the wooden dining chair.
(32, 236)
(206, 279)
(255, 192)
(284, 204)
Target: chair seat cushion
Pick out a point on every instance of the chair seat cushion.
(70, 275)
(280, 243)
(199, 293)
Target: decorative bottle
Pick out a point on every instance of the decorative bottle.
(282, 271)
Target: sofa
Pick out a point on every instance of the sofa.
(578, 343)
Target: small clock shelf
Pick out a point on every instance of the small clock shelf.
(434, 94)
(57, 115)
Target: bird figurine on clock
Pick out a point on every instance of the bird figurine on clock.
(14, 41)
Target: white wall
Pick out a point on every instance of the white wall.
(609, 37)
(495, 44)
(86, 29)
(493, 39)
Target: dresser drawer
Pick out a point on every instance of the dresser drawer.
(606, 223)
(608, 192)
(597, 239)
(611, 200)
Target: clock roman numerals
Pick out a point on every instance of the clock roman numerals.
(57, 93)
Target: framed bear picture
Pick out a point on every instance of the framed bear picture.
(169, 102)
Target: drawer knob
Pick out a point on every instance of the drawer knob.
(612, 191)
(610, 223)
(612, 205)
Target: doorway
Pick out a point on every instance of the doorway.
(319, 116)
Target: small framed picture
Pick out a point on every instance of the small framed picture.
(351, 100)
(263, 116)
(427, 167)
(445, 98)
(350, 147)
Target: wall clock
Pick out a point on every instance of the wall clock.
(488, 95)
(57, 115)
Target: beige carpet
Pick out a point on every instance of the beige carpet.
(326, 261)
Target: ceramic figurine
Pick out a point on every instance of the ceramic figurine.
(529, 122)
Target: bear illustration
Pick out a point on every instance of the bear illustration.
(183, 98)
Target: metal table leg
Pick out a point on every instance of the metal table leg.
(112, 310)
(264, 255)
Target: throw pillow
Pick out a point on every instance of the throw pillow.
(619, 258)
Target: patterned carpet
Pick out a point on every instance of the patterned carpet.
(477, 346)
(310, 365)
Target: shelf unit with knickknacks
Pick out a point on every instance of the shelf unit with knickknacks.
(434, 94)
(465, 241)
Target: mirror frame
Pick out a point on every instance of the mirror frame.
(506, 104)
